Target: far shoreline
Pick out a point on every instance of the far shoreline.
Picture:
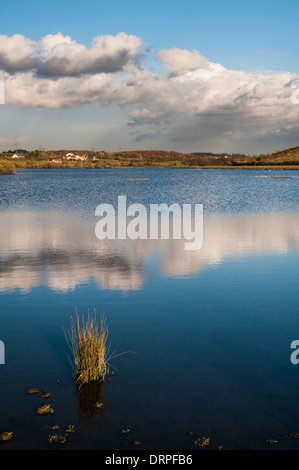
(20, 159)
(156, 167)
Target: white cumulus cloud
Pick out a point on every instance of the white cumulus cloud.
(191, 100)
(58, 55)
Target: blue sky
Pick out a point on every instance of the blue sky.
(254, 37)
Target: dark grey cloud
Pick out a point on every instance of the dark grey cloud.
(147, 136)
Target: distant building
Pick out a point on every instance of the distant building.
(81, 157)
(77, 157)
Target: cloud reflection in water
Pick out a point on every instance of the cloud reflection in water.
(62, 251)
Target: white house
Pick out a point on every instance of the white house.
(81, 157)
(77, 157)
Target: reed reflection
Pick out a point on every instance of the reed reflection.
(90, 401)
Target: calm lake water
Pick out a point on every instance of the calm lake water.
(210, 330)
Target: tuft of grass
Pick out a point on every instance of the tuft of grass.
(45, 410)
(272, 441)
(88, 342)
(6, 436)
(202, 442)
(125, 431)
(57, 439)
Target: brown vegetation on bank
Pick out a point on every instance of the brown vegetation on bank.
(286, 159)
(7, 168)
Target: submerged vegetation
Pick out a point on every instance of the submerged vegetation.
(32, 391)
(6, 436)
(202, 442)
(92, 398)
(45, 410)
(57, 439)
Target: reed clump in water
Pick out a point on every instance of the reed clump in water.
(88, 342)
